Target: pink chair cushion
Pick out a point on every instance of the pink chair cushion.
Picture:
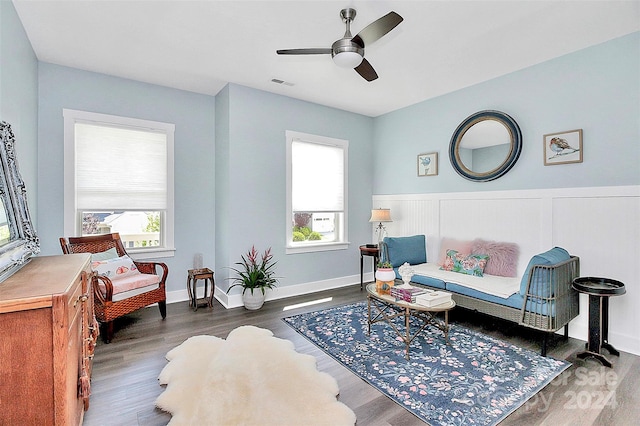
(131, 285)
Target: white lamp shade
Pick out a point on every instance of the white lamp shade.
(380, 215)
(347, 59)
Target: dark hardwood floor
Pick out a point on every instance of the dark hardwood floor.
(125, 386)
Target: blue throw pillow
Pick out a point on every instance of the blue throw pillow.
(406, 249)
(550, 257)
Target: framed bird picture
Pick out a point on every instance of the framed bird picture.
(563, 147)
(428, 164)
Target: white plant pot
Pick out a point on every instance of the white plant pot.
(385, 274)
(253, 301)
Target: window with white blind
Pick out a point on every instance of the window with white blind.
(119, 178)
(316, 193)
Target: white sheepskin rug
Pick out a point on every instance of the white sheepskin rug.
(251, 378)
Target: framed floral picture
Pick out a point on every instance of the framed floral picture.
(563, 147)
(428, 164)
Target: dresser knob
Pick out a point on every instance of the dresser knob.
(82, 298)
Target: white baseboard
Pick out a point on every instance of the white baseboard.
(177, 296)
(621, 342)
(235, 300)
(230, 301)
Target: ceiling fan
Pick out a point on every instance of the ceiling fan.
(348, 52)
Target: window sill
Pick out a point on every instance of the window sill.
(150, 253)
(310, 248)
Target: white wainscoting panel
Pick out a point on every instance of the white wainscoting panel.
(605, 233)
(601, 225)
(494, 220)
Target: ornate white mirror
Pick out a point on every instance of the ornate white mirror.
(18, 240)
(485, 146)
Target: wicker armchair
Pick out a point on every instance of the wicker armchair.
(106, 308)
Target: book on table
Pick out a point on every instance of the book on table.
(407, 293)
(433, 298)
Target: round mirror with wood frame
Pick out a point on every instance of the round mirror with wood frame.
(485, 146)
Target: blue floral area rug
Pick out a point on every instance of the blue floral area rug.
(473, 380)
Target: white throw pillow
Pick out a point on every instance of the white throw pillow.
(115, 268)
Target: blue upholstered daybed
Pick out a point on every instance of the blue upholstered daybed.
(542, 298)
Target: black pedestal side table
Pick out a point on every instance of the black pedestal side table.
(599, 291)
(206, 275)
(368, 250)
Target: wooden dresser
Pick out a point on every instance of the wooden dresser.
(47, 337)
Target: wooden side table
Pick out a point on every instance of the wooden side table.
(367, 251)
(599, 291)
(205, 274)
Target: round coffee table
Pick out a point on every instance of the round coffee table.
(388, 308)
(599, 291)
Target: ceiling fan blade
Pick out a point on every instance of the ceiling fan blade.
(366, 70)
(375, 30)
(304, 51)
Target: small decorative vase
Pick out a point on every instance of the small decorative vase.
(385, 278)
(385, 274)
(253, 301)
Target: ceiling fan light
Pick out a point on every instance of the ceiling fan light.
(347, 59)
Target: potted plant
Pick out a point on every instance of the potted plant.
(385, 272)
(385, 277)
(255, 274)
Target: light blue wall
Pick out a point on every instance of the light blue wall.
(225, 201)
(19, 96)
(230, 150)
(596, 89)
(255, 211)
(194, 119)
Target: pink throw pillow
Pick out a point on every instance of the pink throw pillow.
(462, 247)
(503, 257)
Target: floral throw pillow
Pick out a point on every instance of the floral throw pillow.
(115, 268)
(472, 264)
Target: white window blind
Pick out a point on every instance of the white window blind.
(120, 168)
(317, 196)
(317, 177)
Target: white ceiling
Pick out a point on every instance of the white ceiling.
(200, 46)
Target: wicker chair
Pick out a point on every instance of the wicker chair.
(106, 309)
